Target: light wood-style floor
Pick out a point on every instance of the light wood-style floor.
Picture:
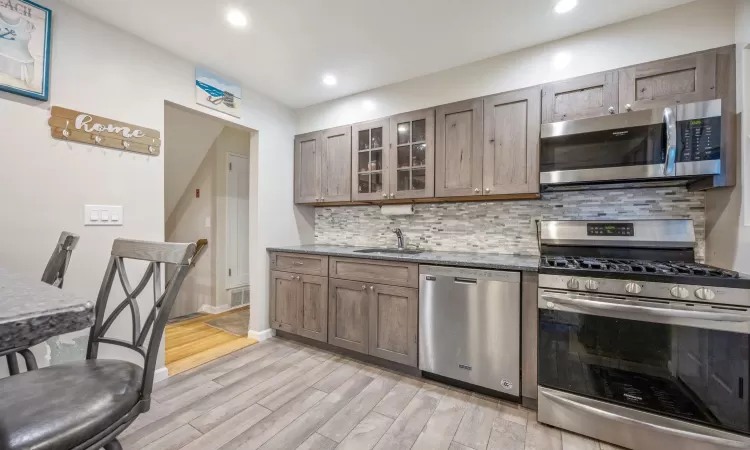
(286, 396)
(191, 342)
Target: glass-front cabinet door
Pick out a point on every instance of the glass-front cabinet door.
(370, 147)
(412, 155)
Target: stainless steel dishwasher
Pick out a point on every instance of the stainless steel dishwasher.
(470, 326)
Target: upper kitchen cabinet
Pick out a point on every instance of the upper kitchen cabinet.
(322, 166)
(458, 149)
(511, 142)
(580, 98)
(307, 150)
(335, 164)
(370, 150)
(411, 165)
(658, 84)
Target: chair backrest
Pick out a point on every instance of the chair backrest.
(57, 265)
(156, 253)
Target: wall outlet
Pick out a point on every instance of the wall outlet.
(102, 215)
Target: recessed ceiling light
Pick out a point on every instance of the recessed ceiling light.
(564, 6)
(329, 80)
(236, 18)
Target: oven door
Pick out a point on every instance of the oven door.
(631, 146)
(672, 359)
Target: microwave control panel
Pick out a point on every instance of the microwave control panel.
(699, 139)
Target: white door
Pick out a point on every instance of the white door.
(238, 221)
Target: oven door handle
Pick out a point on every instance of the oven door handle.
(665, 312)
(698, 437)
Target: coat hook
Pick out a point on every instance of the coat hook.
(126, 144)
(150, 147)
(65, 132)
(98, 139)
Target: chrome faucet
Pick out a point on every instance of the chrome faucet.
(400, 237)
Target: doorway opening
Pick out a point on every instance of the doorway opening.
(207, 201)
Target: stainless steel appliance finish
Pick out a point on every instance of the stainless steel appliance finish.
(638, 344)
(667, 291)
(603, 123)
(629, 427)
(603, 174)
(469, 326)
(649, 156)
(660, 233)
(695, 315)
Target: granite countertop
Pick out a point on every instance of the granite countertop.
(456, 259)
(32, 311)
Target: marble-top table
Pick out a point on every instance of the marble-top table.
(32, 312)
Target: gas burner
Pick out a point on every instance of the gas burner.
(635, 266)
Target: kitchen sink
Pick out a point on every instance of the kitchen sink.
(395, 251)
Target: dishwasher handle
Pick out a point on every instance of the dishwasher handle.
(461, 280)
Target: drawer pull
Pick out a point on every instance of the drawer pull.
(297, 263)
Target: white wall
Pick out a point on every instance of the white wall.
(187, 138)
(192, 219)
(45, 183)
(727, 210)
(689, 28)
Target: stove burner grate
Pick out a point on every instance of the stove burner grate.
(636, 266)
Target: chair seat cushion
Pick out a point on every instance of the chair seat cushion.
(61, 406)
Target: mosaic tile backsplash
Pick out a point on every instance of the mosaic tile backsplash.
(505, 227)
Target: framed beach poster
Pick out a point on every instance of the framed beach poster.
(216, 92)
(24, 48)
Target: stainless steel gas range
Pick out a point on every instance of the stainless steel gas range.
(639, 345)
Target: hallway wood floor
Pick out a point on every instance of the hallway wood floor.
(283, 395)
(191, 343)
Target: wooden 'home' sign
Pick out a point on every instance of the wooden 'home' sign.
(81, 127)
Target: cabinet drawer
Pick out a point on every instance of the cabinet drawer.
(372, 271)
(300, 263)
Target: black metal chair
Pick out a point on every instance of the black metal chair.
(87, 404)
(54, 273)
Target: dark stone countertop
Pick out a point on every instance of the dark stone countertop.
(32, 311)
(457, 259)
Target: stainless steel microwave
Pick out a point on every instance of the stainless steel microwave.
(677, 142)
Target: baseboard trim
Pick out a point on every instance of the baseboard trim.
(260, 336)
(161, 374)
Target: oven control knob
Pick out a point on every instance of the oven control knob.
(705, 294)
(550, 305)
(633, 288)
(592, 285)
(679, 292)
(573, 283)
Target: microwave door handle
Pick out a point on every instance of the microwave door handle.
(663, 312)
(671, 156)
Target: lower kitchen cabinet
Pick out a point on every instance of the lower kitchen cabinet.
(348, 314)
(299, 304)
(313, 307)
(284, 301)
(394, 323)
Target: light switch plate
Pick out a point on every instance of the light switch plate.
(102, 215)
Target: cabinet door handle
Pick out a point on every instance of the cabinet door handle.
(372, 288)
(476, 191)
(487, 190)
(364, 287)
(297, 263)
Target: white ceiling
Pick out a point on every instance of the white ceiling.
(290, 44)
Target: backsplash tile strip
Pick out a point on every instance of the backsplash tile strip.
(505, 227)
